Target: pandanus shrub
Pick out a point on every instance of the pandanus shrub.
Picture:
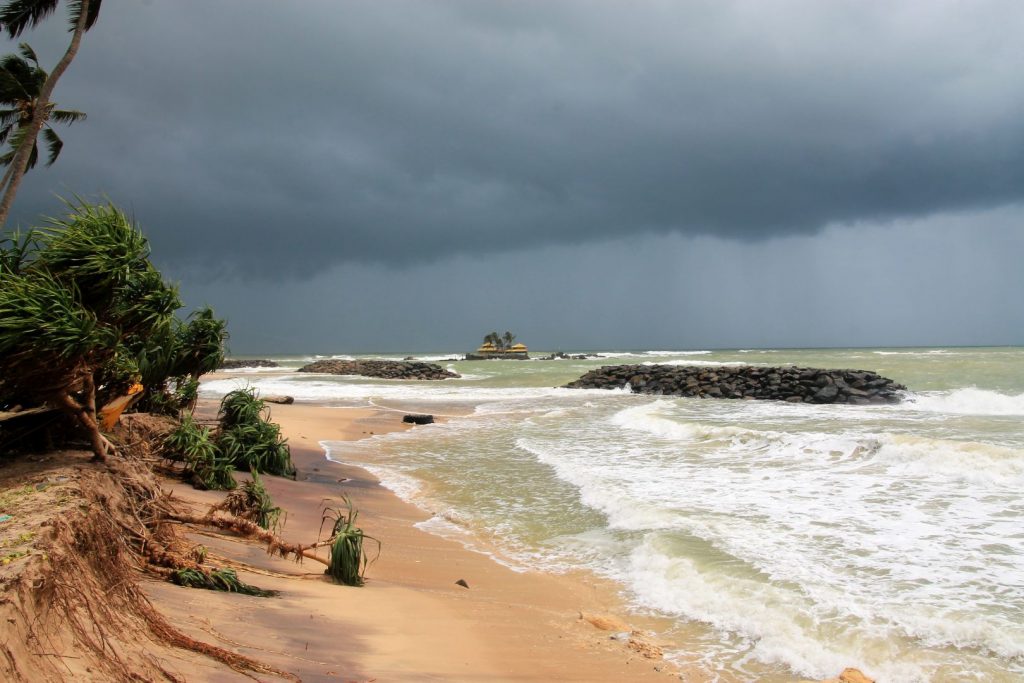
(71, 294)
(248, 439)
(348, 559)
(253, 502)
(84, 314)
(193, 444)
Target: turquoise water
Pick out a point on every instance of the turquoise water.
(779, 539)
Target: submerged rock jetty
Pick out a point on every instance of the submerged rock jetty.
(382, 369)
(792, 384)
(242, 363)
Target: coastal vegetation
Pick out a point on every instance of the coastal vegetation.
(348, 560)
(76, 297)
(250, 441)
(88, 331)
(252, 502)
(85, 316)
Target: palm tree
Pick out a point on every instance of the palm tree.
(21, 78)
(507, 339)
(15, 17)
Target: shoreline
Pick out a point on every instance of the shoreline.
(411, 621)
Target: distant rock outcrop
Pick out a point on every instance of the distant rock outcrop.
(236, 364)
(792, 384)
(383, 369)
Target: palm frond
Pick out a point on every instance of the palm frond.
(53, 145)
(67, 116)
(76, 11)
(28, 53)
(18, 15)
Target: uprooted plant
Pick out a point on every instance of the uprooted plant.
(252, 502)
(217, 580)
(348, 560)
(193, 444)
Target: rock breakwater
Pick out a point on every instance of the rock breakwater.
(792, 384)
(382, 369)
(236, 364)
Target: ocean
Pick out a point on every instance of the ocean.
(775, 540)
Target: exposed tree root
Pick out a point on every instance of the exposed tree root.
(249, 529)
(74, 608)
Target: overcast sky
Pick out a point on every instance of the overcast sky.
(395, 175)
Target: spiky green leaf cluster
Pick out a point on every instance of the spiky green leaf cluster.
(194, 445)
(217, 580)
(72, 297)
(248, 439)
(253, 502)
(348, 561)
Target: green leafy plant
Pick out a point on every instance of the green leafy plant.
(218, 580)
(248, 439)
(348, 561)
(241, 407)
(193, 444)
(253, 502)
(69, 298)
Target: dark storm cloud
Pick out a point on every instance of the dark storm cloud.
(286, 136)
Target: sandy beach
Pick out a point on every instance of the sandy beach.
(411, 621)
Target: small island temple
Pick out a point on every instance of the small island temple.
(497, 350)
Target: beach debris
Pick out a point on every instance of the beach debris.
(462, 582)
(418, 419)
(851, 675)
(623, 635)
(605, 622)
(110, 413)
(217, 580)
(282, 400)
(5, 518)
(644, 647)
(848, 675)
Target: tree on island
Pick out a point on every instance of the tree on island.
(21, 78)
(15, 17)
(501, 342)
